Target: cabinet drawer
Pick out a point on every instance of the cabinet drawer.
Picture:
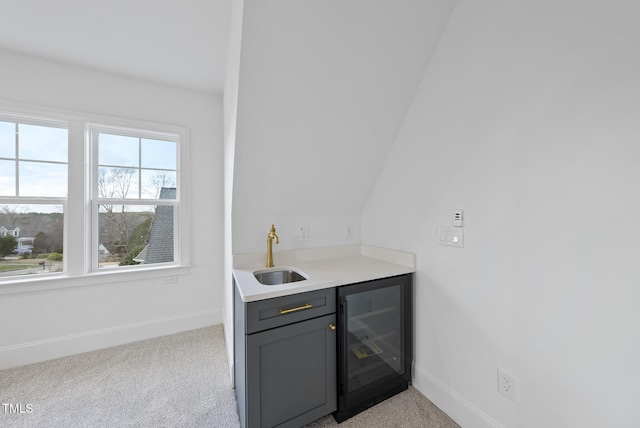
(270, 313)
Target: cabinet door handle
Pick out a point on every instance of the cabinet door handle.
(299, 308)
(332, 327)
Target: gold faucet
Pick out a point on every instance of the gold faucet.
(270, 238)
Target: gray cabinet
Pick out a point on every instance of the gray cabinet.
(285, 359)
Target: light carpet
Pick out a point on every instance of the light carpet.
(181, 380)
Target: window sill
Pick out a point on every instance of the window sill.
(62, 281)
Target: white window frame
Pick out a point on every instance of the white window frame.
(79, 269)
(38, 120)
(92, 131)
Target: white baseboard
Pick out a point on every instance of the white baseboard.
(458, 409)
(62, 346)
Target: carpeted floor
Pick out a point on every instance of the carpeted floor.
(409, 409)
(180, 380)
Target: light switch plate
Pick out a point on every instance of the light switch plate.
(450, 236)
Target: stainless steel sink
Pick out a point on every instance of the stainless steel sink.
(277, 277)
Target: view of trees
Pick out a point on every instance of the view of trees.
(47, 228)
(7, 244)
(134, 168)
(137, 241)
(115, 183)
(123, 228)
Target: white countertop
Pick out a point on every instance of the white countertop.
(324, 268)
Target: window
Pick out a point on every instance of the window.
(135, 197)
(33, 194)
(81, 195)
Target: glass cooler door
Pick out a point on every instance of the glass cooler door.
(374, 338)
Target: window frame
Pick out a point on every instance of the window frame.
(93, 130)
(77, 206)
(20, 117)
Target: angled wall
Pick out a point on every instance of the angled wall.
(527, 119)
(323, 89)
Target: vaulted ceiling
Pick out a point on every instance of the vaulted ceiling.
(176, 42)
(323, 89)
(323, 85)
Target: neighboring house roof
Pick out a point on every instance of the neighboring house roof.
(160, 246)
(143, 255)
(15, 231)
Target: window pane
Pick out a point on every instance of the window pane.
(134, 169)
(42, 143)
(31, 239)
(135, 234)
(7, 140)
(7, 178)
(119, 183)
(118, 150)
(158, 154)
(42, 179)
(154, 181)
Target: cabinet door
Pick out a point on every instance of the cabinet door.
(291, 373)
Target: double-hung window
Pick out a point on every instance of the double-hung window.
(135, 197)
(81, 195)
(33, 194)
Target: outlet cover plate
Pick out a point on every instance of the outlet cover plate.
(303, 233)
(506, 385)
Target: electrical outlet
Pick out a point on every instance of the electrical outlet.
(349, 232)
(303, 233)
(506, 385)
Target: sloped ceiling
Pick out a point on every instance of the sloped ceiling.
(181, 43)
(323, 89)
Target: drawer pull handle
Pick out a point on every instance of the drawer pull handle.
(299, 308)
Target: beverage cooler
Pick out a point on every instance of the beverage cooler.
(374, 342)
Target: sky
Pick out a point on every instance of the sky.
(37, 144)
(42, 162)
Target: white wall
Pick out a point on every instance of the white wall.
(528, 120)
(230, 122)
(323, 89)
(42, 325)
